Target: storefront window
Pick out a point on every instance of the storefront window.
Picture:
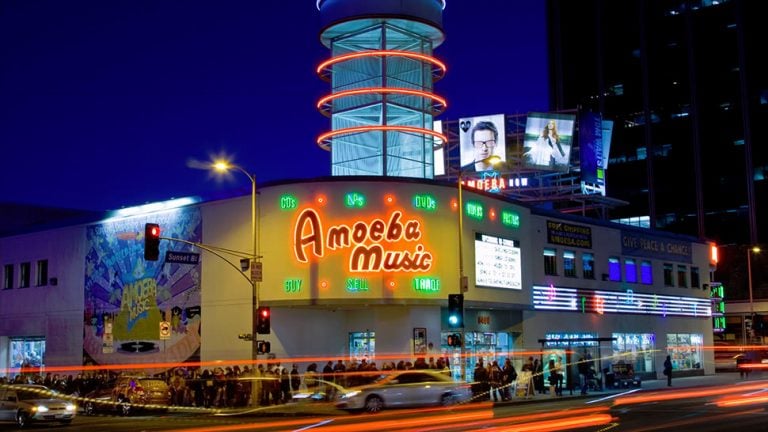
(685, 350)
(567, 349)
(588, 265)
(635, 349)
(478, 345)
(362, 345)
(27, 353)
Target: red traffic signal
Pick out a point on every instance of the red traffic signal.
(262, 320)
(151, 241)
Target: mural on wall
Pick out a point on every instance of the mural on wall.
(139, 311)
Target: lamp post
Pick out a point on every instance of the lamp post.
(463, 282)
(750, 251)
(224, 166)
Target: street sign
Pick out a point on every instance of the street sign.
(165, 330)
(256, 272)
(182, 257)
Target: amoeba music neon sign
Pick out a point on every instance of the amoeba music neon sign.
(628, 302)
(393, 244)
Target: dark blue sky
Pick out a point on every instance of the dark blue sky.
(102, 103)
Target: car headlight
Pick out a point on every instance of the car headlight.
(71, 407)
(41, 408)
(350, 394)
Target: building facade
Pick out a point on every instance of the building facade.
(357, 268)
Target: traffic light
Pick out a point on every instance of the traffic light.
(455, 310)
(263, 347)
(262, 320)
(151, 241)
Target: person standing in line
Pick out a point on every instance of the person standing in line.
(668, 370)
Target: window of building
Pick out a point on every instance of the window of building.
(695, 282)
(29, 351)
(25, 270)
(8, 276)
(41, 276)
(668, 281)
(614, 269)
(646, 272)
(682, 276)
(362, 345)
(550, 261)
(636, 349)
(630, 270)
(684, 349)
(569, 263)
(588, 265)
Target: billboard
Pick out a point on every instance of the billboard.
(479, 139)
(548, 139)
(497, 262)
(591, 148)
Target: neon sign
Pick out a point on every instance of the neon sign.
(357, 285)
(354, 199)
(426, 284)
(425, 202)
(601, 302)
(376, 245)
(510, 218)
(474, 210)
(292, 285)
(288, 202)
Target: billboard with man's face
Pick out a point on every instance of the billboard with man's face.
(548, 140)
(480, 138)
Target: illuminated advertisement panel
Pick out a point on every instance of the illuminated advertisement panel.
(497, 262)
(591, 148)
(479, 139)
(548, 139)
(627, 302)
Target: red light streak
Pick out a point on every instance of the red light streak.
(681, 394)
(382, 53)
(324, 144)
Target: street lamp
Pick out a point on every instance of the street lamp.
(463, 282)
(224, 166)
(750, 251)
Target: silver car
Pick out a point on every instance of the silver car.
(26, 403)
(411, 388)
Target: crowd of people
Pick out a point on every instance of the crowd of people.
(268, 383)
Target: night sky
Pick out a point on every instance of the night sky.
(104, 103)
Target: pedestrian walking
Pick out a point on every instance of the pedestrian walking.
(668, 370)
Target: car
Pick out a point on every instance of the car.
(31, 403)
(127, 394)
(411, 388)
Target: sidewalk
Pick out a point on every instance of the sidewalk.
(719, 379)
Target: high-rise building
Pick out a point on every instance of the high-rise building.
(686, 86)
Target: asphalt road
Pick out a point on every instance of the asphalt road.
(718, 403)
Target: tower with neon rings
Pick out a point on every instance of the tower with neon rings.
(381, 72)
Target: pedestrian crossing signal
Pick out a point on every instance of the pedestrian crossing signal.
(263, 347)
(454, 340)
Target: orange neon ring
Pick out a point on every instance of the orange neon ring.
(439, 100)
(322, 139)
(324, 65)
